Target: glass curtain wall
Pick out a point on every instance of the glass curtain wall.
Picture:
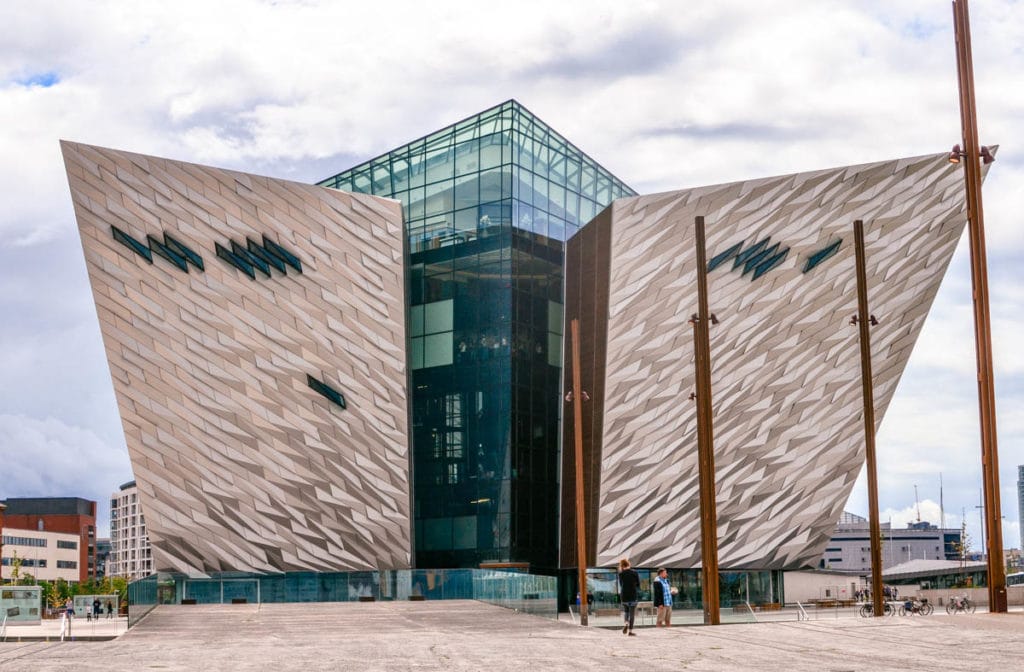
(488, 204)
(527, 593)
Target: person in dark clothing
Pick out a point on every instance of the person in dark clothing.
(629, 588)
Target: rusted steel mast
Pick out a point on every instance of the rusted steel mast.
(982, 323)
(577, 422)
(705, 437)
(865, 321)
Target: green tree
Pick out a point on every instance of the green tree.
(52, 592)
(15, 568)
(962, 548)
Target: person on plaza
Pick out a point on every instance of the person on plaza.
(110, 609)
(96, 604)
(69, 608)
(629, 589)
(661, 592)
(88, 612)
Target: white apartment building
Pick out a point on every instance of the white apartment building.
(130, 554)
(47, 556)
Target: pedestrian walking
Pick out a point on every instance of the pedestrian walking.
(629, 589)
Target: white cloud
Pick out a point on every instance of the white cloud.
(47, 457)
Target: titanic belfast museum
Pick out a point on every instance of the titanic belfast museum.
(367, 373)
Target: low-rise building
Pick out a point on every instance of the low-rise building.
(130, 555)
(938, 574)
(46, 555)
(68, 515)
(849, 550)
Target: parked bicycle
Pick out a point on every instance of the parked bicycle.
(868, 609)
(921, 607)
(956, 604)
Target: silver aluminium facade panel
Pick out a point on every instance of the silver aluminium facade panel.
(255, 331)
(786, 376)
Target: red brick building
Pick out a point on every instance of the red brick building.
(72, 515)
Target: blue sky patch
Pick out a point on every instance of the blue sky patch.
(42, 79)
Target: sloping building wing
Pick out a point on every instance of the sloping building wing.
(255, 330)
(785, 361)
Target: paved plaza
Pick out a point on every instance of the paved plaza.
(466, 635)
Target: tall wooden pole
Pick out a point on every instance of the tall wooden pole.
(577, 425)
(705, 437)
(864, 320)
(982, 325)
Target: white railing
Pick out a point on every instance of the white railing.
(751, 610)
(801, 614)
(3, 629)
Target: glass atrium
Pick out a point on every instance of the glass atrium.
(488, 203)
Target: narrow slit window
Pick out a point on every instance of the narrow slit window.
(326, 390)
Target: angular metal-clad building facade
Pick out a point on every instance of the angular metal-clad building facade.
(785, 361)
(256, 335)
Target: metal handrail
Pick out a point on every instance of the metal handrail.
(802, 615)
(3, 629)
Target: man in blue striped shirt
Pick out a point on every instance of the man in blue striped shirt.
(662, 597)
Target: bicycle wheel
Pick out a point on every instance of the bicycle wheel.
(950, 607)
(927, 609)
(903, 611)
(865, 610)
(969, 606)
(889, 610)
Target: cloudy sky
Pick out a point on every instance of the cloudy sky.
(666, 95)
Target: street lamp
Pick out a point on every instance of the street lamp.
(985, 153)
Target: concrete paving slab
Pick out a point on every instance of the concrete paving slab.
(465, 635)
(49, 629)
